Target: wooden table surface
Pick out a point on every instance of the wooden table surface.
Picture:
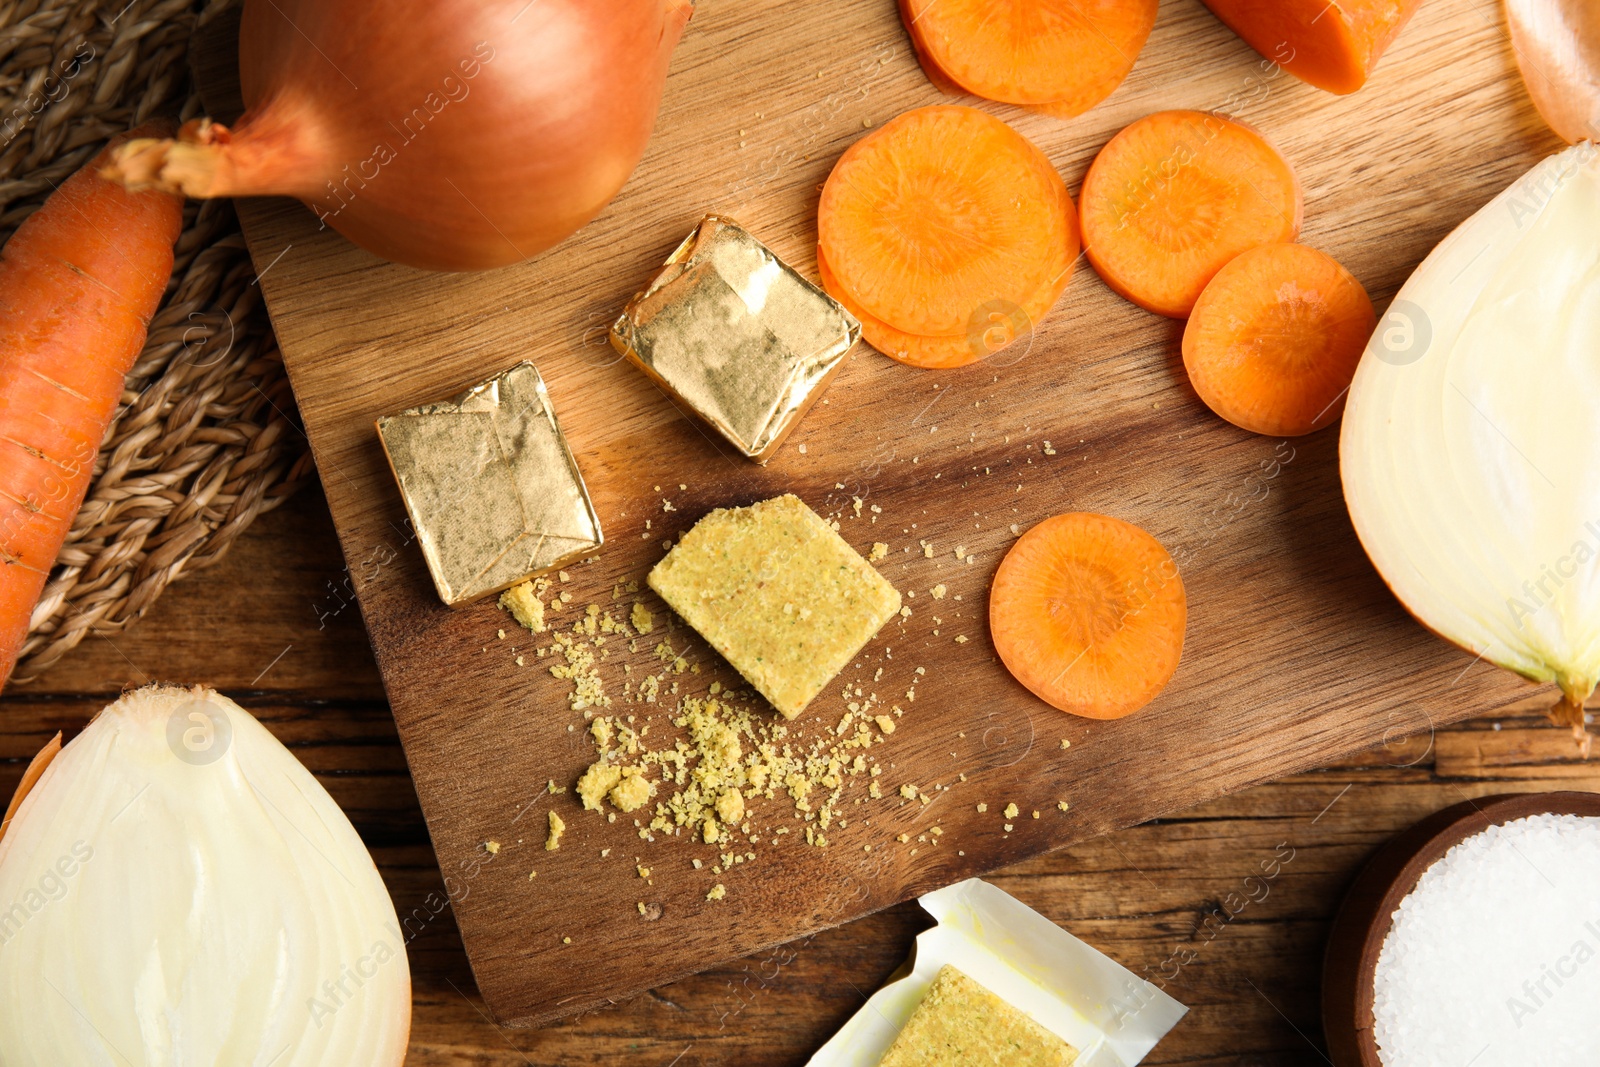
(1168, 899)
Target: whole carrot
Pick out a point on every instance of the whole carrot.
(79, 281)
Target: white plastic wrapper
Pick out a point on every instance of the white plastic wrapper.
(1112, 1016)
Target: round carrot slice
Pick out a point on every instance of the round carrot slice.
(992, 327)
(916, 350)
(1275, 338)
(1069, 54)
(1175, 196)
(1088, 613)
(941, 81)
(941, 211)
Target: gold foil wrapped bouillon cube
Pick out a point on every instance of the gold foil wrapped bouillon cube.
(493, 492)
(736, 335)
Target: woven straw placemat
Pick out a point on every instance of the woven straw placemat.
(205, 438)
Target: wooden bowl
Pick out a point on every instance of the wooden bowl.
(1367, 913)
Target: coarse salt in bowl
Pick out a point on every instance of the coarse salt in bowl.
(1493, 958)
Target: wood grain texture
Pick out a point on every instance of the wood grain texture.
(1296, 652)
(1145, 895)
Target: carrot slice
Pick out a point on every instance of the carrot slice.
(1332, 44)
(993, 327)
(943, 210)
(1175, 196)
(1069, 54)
(1275, 338)
(1088, 613)
(941, 81)
(916, 350)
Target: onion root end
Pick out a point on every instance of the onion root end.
(1568, 711)
(187, 165)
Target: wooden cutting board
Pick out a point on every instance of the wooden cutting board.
(1296, 652)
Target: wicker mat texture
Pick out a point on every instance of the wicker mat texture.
(206, 438)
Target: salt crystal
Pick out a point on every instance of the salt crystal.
(1494, 957)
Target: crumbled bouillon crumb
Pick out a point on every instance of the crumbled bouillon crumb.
(722, 766)
(525, 606)
(727, 755)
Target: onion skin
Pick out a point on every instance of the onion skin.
(1557, 43)
(30, 778)
(457, 135)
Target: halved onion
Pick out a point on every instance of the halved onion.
(1470, 448)
(177, 889)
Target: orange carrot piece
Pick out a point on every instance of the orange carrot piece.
(1332, 44)
(930, 67)
(1175, 196)
(79, 281)
(940, 212)
(1088, 613)
(915, 350)
(1068, 54)
(1275, 338)
(993, 328)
